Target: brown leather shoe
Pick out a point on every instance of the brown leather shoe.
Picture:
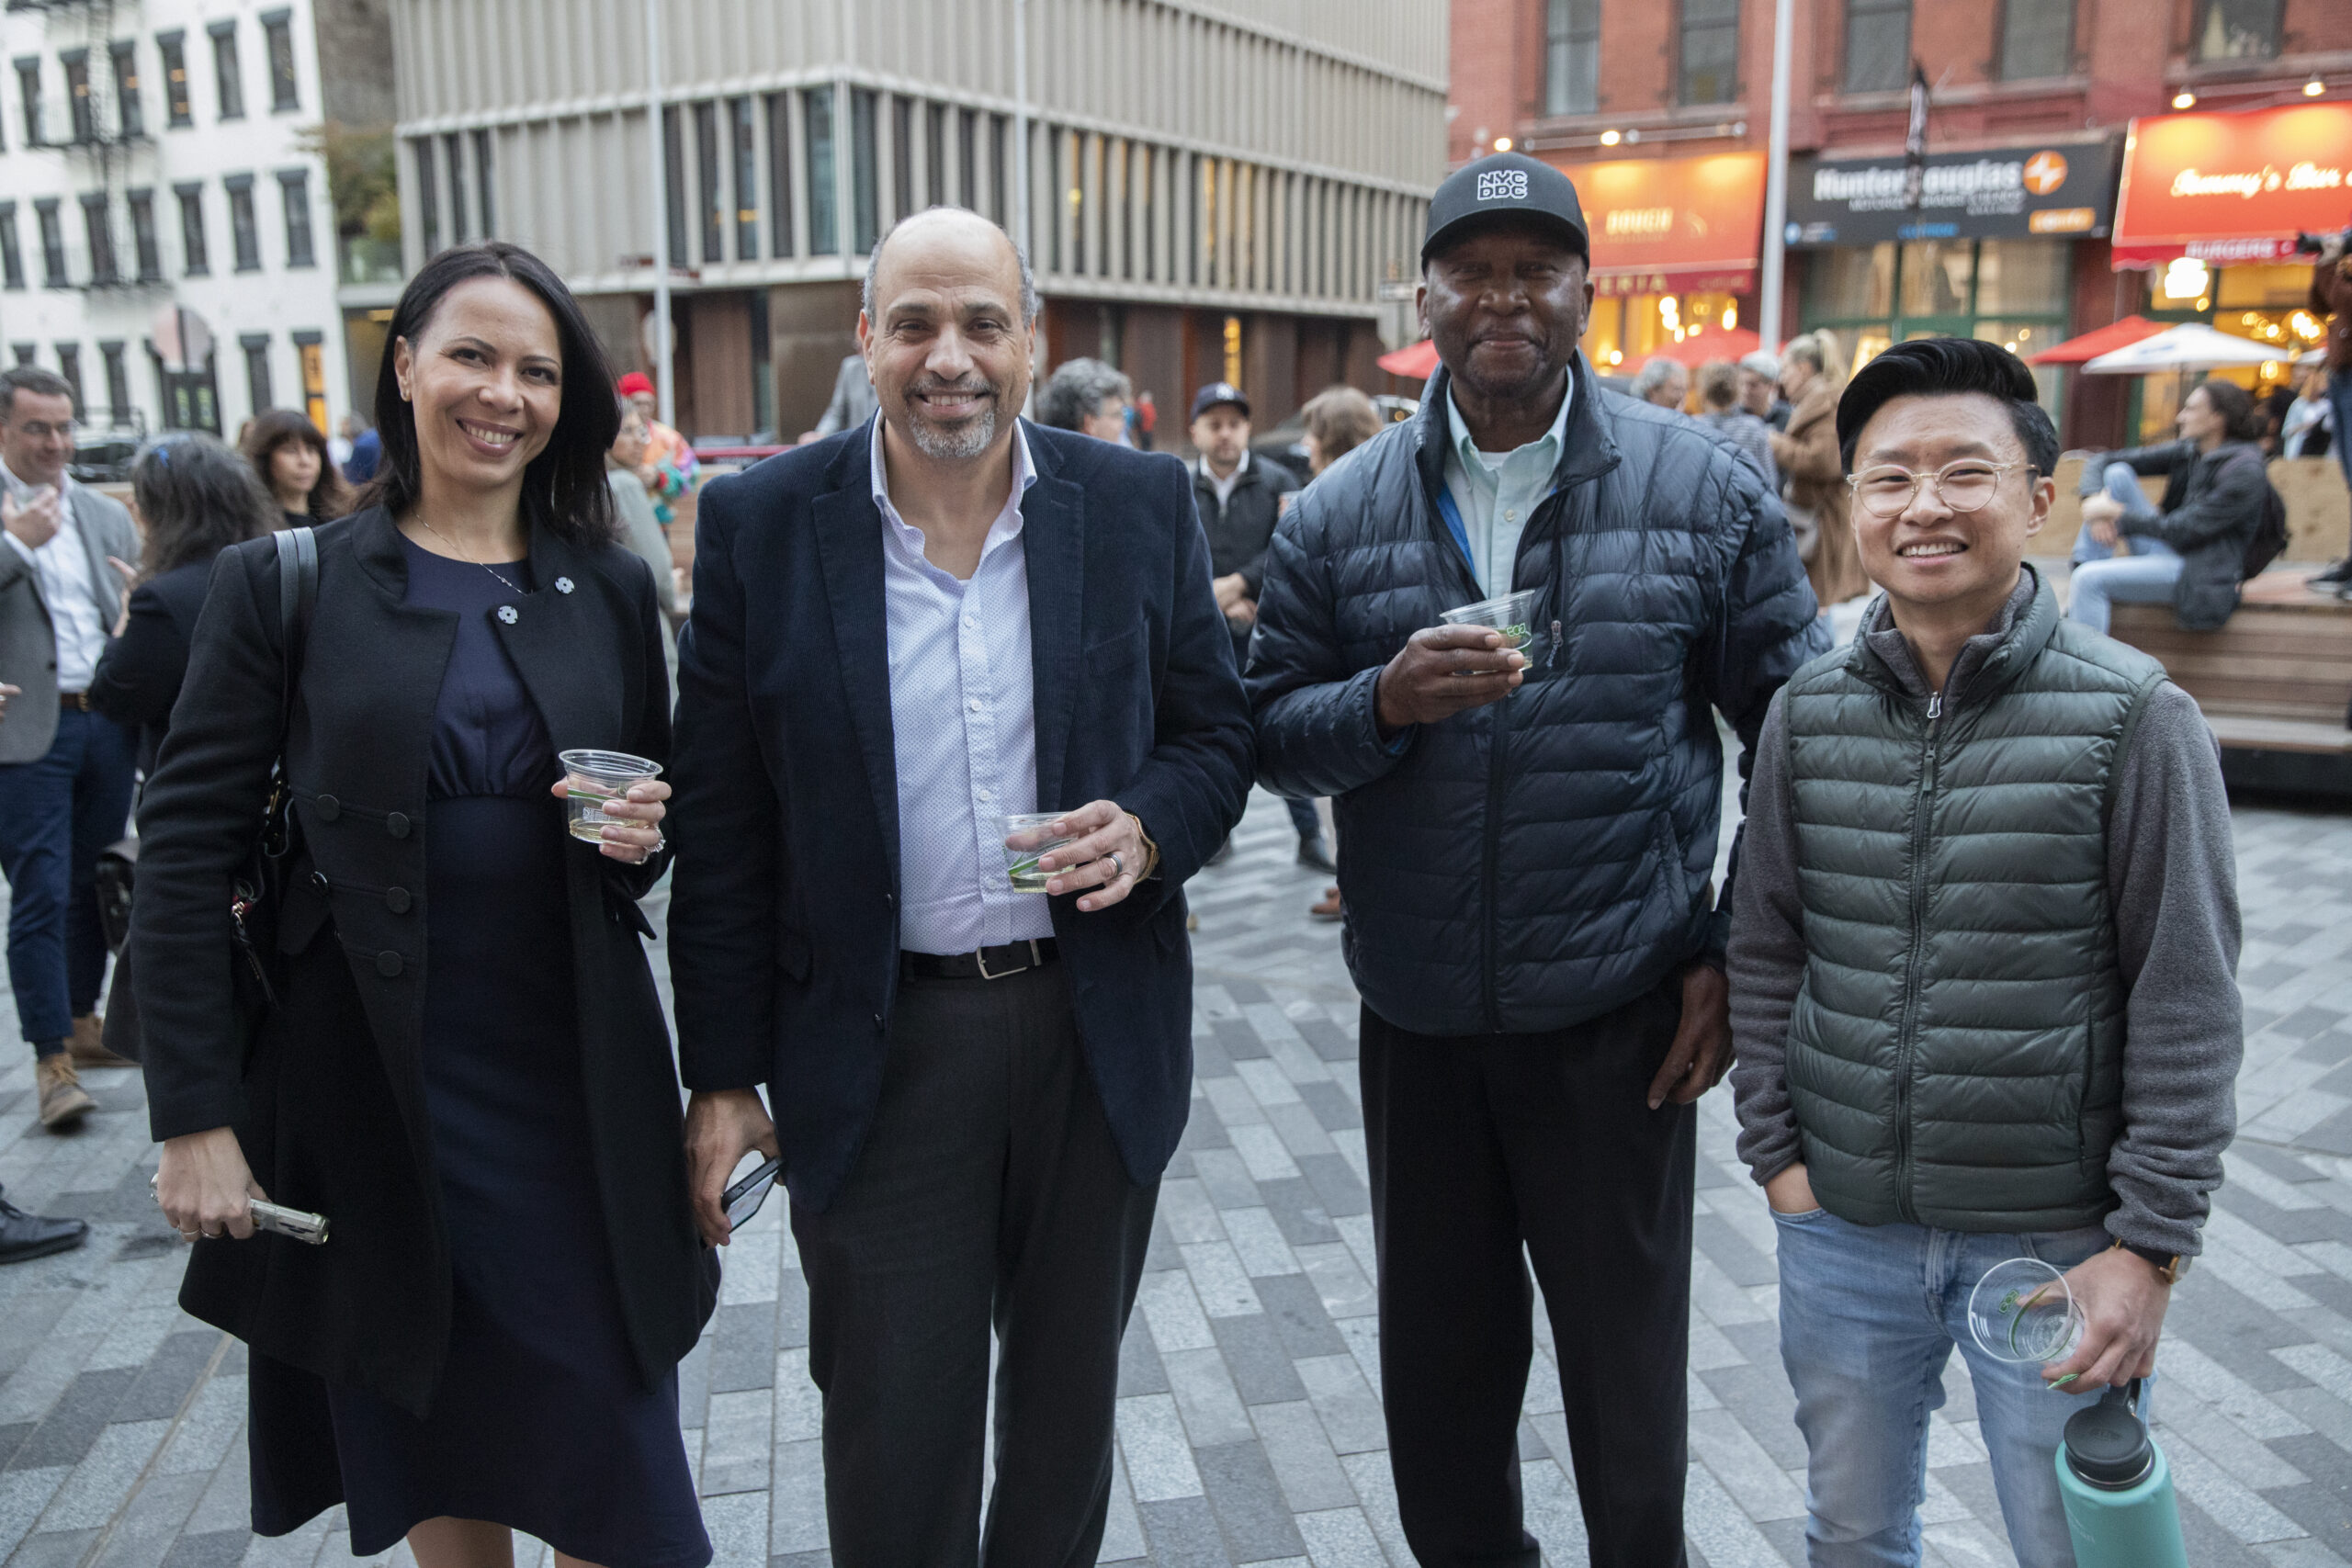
(89, 1044)
(1329, 907)
(63, 1102)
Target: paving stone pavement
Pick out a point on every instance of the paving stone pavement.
(1249, 1426)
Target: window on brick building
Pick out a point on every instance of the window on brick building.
(2238, 29)
(1572, 57)
(2037, 39)
(1878, 45)
(1709, 51)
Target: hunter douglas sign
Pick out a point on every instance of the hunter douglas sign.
(2059, 188)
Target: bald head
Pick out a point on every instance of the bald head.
(971, 237)
(944, 330)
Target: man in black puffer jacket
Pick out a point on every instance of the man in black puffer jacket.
(1530, 844)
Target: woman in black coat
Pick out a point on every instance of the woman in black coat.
(194, 497)
(468, 1072)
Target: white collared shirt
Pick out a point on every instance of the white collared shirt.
(1496, 492)
(1224, 487)
(964, 722)
(62, 567)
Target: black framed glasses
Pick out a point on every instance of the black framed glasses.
(1887, 490)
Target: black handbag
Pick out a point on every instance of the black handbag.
(259, 890)
(258, 893)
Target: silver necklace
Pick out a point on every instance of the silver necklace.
(513, 587)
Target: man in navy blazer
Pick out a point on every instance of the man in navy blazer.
(901, 635)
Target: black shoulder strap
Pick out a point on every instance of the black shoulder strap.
(297, 593)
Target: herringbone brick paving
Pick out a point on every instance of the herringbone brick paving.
(1249, 1426)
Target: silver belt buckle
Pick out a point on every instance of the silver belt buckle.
(980, 958)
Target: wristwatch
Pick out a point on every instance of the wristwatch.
(2169, 1266)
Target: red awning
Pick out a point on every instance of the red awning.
(2097, 340)
(1417, 363)
(2233, 187)
(1673, 225)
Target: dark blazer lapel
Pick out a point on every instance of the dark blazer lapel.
(1053, 537)
(849, 548)
(564, 656)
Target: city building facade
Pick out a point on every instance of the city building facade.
(169, 242)
(2040, 113)
(1212, 191)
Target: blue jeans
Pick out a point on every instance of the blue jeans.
(56, 814)
(2339, 398)
(1869, 1316)
(2103, 579)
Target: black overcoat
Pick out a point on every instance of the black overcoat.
(330, 1106)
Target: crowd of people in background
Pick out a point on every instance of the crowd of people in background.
(1549, 974)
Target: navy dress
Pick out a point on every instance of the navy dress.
(542, 1421)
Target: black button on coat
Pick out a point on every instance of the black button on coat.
(330, 1106)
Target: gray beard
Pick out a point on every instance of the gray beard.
(952, 444)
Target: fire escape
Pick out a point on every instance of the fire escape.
(104, 127)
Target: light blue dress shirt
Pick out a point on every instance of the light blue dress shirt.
(963, 716)
(1498, 491)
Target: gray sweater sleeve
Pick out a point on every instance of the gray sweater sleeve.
(1767, 955)
(2171, 873)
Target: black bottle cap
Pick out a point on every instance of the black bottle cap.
(2107, 1445)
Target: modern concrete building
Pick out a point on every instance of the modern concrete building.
(2040, 110)
(168, 237)
(1212, 190)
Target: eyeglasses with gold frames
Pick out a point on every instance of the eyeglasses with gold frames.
(1888, 489)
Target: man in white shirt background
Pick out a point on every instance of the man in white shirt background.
(65, 772)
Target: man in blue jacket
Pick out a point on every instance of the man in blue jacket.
(902, 634)
(1531, 837)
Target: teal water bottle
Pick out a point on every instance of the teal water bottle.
(2119, 1507)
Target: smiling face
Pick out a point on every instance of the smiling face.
(946, 346)
(1506, 306)
(1929, 554)
(293, 470)
(485, 376)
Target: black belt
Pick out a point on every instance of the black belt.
(73, 701)
(988, 964)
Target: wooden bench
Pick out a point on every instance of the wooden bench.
(2275, 683)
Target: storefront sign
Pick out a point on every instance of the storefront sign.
(1664, 225)
(2233, 187)
(2061, 188)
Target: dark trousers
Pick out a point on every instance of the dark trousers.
(56, 814)
(1302, 817)
(1488, 1150)
(987, 1191)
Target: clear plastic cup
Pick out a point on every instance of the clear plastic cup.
(1021, 858)
(2022, 1311)
(591, 778)
(1512, 614)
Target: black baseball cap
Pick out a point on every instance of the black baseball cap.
(1217, 392)
(1504, 183)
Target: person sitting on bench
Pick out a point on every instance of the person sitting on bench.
(2191, 550)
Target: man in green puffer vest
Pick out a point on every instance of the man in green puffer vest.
(1983, 969)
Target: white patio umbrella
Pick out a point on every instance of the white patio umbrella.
(2192, 346)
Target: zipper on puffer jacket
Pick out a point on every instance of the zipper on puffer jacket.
(1490, 858)
(1921, 812)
